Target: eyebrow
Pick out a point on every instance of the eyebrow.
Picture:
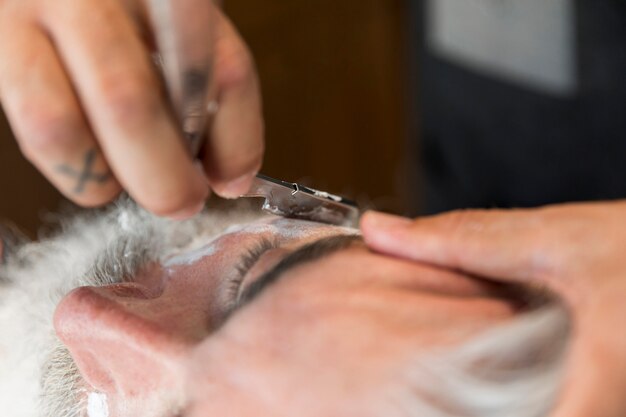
(308, 253)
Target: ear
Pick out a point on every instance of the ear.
(117, 349)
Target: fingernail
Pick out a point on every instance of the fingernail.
(188, 212)
(386, 221)
(237, 187)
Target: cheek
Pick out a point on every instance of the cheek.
(257, 374)
(197, 297)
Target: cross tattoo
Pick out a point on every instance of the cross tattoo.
(86, 174)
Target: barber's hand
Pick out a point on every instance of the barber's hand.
(578, 251)
(80, 90)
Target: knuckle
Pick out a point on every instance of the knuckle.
(49, 132)
(129, 100)
(235, 67)
(461, 222)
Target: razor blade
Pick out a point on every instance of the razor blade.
(292, 200)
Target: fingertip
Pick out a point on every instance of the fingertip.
(367, 223)
(188, 212)
(232, 177)
(167, 187)
(235, 188)
(91, 199)
(175, 211)
(175, 200)
(384, 232)
(376, 221)
(181, 206)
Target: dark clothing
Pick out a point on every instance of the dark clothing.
(491, 143)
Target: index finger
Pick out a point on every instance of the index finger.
(118, 87)
(498, 244)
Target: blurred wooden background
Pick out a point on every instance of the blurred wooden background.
(333, 75)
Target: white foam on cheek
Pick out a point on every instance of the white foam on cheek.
(281, 228)
(256, 228)
(97, 405)
(193, 256)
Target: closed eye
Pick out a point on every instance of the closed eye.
(247, 261)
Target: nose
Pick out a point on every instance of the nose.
(117, 351)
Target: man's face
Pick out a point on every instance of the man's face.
(273, 318)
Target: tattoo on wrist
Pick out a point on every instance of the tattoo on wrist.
(85, 174)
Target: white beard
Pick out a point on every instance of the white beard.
(520, 363)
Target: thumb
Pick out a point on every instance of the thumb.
(524, 245)
(503, 245)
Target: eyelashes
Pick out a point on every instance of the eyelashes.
(253, 254)
(247, 261)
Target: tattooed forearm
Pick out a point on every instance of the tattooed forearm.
(85, 174)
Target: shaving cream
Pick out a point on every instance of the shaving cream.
(97, 405)
(193, 256)
(287, 229)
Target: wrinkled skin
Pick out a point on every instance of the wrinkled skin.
(82, 95)
(575, 250)
(333, 336)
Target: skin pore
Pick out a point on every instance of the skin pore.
(198, 334)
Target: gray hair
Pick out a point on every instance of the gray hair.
(37, 374)
(513, 370)
(11, 239)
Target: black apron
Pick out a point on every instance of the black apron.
(490, 140)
